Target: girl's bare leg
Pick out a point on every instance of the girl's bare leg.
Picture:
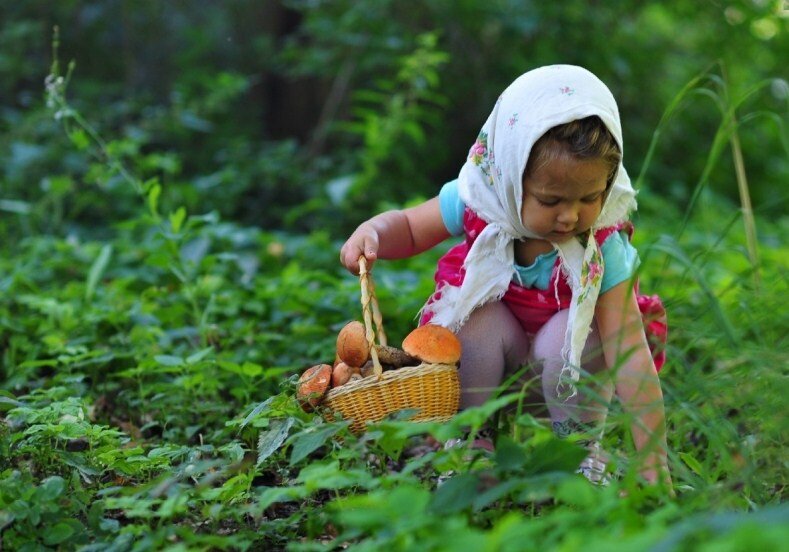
(590, 406)
(586, 411)
(493, 344)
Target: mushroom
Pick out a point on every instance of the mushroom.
(433, 344)
(342, 373)
(367, 369)
(352, 346)
(313, 385)
(395, 357)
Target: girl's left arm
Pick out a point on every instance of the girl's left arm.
(625, 348)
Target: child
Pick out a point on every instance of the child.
(544, 278)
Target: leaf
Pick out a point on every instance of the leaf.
(153, 199)
(195, 250)
(233, 451)
(554, 455)
(173, 505)
(496, 492)
(509, 454)
(6, 519)
(58, 533)
(15, 206)
(79, 138)
(473, 417)
(391, 436)
(269, 441)
(51, 488)
(109, 525)
(97, 271)
(403, 506)
(198, 356)
(8, 401)
(255, 411)
(169, 360)
(329, 475)
(456, 494)
(306, 442)
(34, 514)
(273, 495)
(251, 369)
(692, 463)
(578, 492)
(19, 509)
(177, 219)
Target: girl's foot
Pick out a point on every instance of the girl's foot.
(483, 441)
(593, 466)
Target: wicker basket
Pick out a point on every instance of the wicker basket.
(432, 390)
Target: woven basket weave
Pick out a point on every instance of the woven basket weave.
(431, 390)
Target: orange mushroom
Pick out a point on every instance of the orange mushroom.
(433, 344)
(352, 346)
(313, 385)
(342, 373)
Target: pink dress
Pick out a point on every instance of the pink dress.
(534, 307)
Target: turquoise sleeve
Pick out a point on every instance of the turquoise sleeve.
(621, 260)
(452, 207)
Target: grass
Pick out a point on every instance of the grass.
(124, 423)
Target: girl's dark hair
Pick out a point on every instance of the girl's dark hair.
(586, 138)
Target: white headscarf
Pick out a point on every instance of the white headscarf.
(490, 183)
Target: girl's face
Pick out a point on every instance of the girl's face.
(564, 197)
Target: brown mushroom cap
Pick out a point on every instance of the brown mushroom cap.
(313, 385)
(352, 346)
(433, 344)
(341, 374)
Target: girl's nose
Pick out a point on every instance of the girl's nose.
(568, 216)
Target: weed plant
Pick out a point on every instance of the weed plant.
(148, 376)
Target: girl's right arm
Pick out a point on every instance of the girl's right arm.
(395, 235)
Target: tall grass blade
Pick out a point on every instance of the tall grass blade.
(672, 108)
(97, 271)
(745, 202)
(727, 132)
(672, 250)
(742, 180)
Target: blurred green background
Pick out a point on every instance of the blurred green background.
(302, 115)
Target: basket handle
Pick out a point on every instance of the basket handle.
(371, 313)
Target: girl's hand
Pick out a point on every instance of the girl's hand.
(655, 472)
(364, 241)
(656, 475)
(396, 234)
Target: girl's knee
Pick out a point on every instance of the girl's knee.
(491, 323)
(549, 340)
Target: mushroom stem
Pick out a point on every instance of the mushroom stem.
(395, 357)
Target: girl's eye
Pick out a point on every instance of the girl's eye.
(552, 203)
(592, 199)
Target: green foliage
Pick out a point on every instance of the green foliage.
(388, 119)
(28, 507)
(150, 336)
(250, 116)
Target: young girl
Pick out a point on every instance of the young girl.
(543, 282)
